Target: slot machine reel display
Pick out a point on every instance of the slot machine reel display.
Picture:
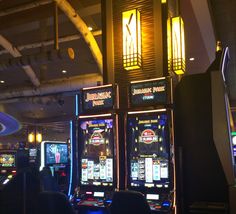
(7, 166)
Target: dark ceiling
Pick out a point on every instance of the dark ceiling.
(28, 27)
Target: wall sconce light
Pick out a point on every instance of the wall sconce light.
(31, 137)
(35, 137)
(39, 137)
(131, 30)
(176, 45)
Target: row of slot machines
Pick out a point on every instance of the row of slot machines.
(53, 155)
(7, 166)
(126, 149)
(14, 160)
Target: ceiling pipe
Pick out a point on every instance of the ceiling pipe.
(21, 8)
(38, 58)
(50, 42)
(83, 29)
(15, 53)
(53, 87)
(55, 19)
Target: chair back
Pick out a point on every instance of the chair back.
(129, 202)
(53, 203)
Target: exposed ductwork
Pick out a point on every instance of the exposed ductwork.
(53, 87)
(15, 53)
(24, 7)
(83, 29)
(39, 58)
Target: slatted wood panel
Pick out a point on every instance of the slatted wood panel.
(148, 70)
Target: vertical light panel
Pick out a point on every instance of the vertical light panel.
(177, 46)
(76, 105)
(71, 159)
(131, 31)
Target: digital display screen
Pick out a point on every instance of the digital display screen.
(148, 150)
(7, 160)
(97, 142)
(233, 134)
(33, 152)
(97, 98)
(152, 197)
(98, 194)
(56, 153)
(148, 93)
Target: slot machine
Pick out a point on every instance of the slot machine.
(7, 166)
(98, 148)
(149, 143)
(204, 126)
(55, 155)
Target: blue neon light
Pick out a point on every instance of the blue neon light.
(71, 158)
(166, 204)
(76, 105)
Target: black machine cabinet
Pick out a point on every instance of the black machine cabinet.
(203, 146)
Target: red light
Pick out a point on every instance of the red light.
(63, 174)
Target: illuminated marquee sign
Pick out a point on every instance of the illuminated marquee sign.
(98, 98)
(153, 92)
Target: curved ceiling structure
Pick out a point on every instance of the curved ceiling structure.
(8, 124)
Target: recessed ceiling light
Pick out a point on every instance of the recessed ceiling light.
(191, 59)
(64, 71)
(2, 81)
(90, 28)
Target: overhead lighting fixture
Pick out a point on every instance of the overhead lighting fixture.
(2, 81)
(191, 59)
(35, 136)
(176, 45)
(131, 32)
(39, 137)
(64, 71)
(90, 28)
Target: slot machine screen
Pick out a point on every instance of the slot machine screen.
(148, 150)
(7, 160)
(32, 152)
(56, 153)
(97, 146)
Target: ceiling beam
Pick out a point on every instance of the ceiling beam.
(53, 87)
(83, 29)
(15, 53)
(24, 7)
(50, 42)
(25, 17)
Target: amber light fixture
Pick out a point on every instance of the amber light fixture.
(131, 31)
(176, 45)
(35, 137)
